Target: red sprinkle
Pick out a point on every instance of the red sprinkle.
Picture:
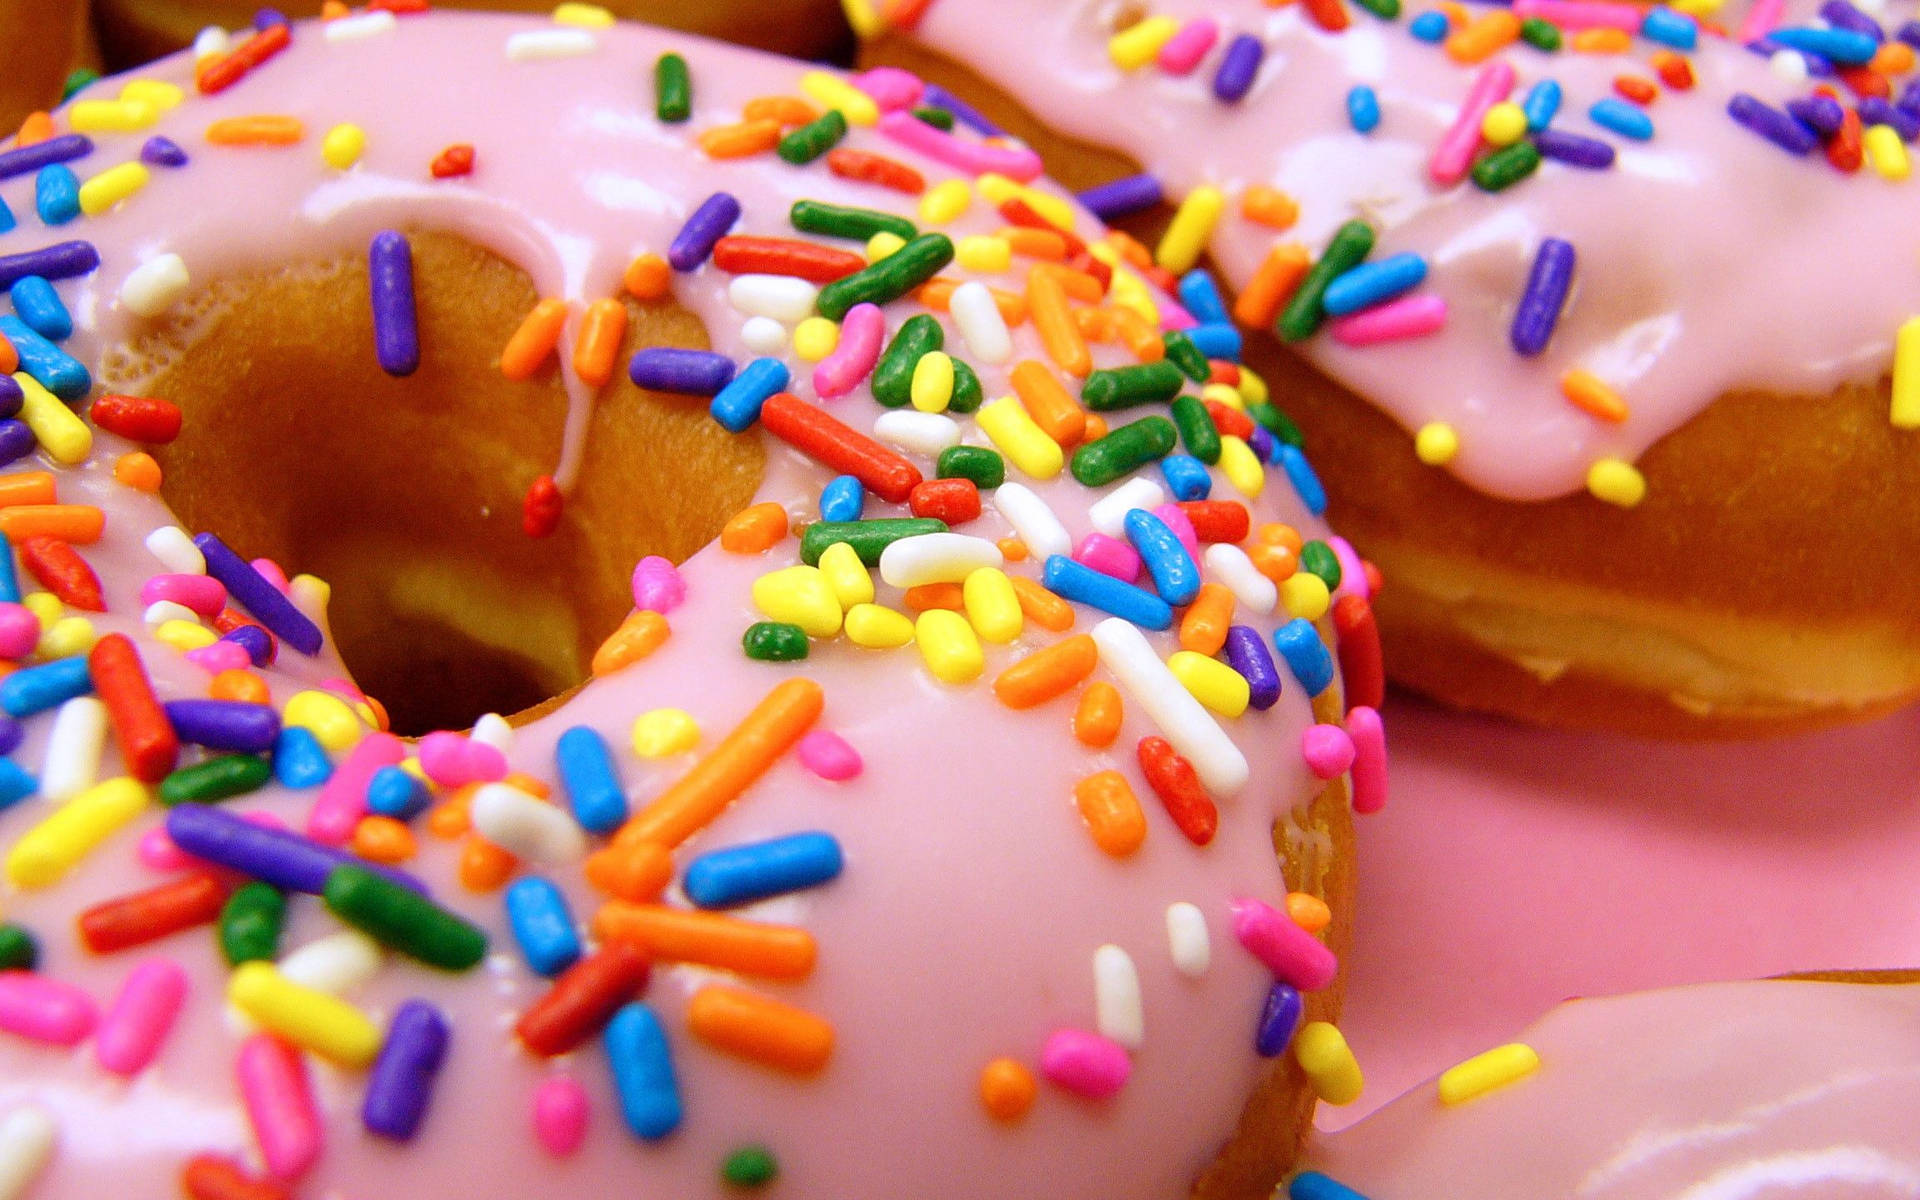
(1674, 70)
(1865, 81)
(540, 514)
(1174, 780)
(1218, 520)
(1221, 371)
(904, 14)
(1086, 263)
(815, 432)
(400, 8)
(1330, 15)
(212, 1177)
(1632, 87)
(862, 167)
(583, 1000)
(137, 418)
(223, 73)
(454, 161)
(1019, 212)
(1361, 670)
(61, 570)
(140, 725)
(955, 501)
(1230, 420)
(784, 256)
(1845, 150)
(229, 619)
(146, 916)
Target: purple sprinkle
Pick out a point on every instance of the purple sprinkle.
(257, 642)
(1279, 1017)
(1771, 124)
(1247, 653)
(708, 224)
(939, 97)
(1546, 295)
(252, 592)
(1909, 100)
(225, 724)
(281, 857)
(396, 333)
(62, 261)
(11, 397)
(28, 159)
(1123, 197)
(1822, 114)
(1574, 149)
(267, 18)
(401, 1081)
(163, 152)
(688, 372)
(1238, 66)
(11, 731)
(1875, 111)
(1841, 15)
(1910, 34)
(16, 441)
(1263, 444)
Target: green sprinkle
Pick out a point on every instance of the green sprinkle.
(403, 920)
(1318, 558)
(774, 641)
(1124, 387)
(672, 89)
(18, 950)
(1197, 431)
(967, 392)
(1540, 34)
(1386, 10)
(1506, 166)
(868, 538)
(814, 138)
(892, 380)
(1277, 423)
(250, 923)
(749, 1167)
(1350, 246)
(939, 118)
(1182, 353)
(215, 779)
(80, 79)
(890, 278)
(985, 467)
(1101, 462)
(858, 224)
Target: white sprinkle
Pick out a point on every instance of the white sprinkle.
(1118, 1010)
(211, 42)
(161, 611)
(358, 28)
(27, 1135)
(1187, 939)
(310, 595)
(980, 322)
(550, 43)
(1788, 65)
(919, 432)
(1109, 513)
(1231, 566)
(525, 826)
(763, 336)
(336, 964)
(936, 558)
(493, 730)
(1125, 651)
(782, 297)
(154, 285)
(72, 761)
(1032, 520)
(176, 551)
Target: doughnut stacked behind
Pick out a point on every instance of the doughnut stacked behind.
(44, 40)
(1710, 541)
(991, 897)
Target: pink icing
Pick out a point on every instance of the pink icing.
(1790, 291)
(973, 899)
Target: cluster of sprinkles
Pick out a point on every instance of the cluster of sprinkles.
(1249, 604)
(1862, 110)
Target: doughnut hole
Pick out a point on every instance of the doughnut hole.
(406, 494)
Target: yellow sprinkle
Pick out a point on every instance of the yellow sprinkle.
(863, 17)
(1253, 389)
(61, 433)
(162, 95)
(45, 606)
(1187, 235)
(1305, 595)
(932, 386)
(1484, 1072)
(993, 607)
(852, 583)
(998, 189)
(665, 732)
(1436, 443)
(111, 186)
(1906, 375)
(877, 628)
(988, 255)
(834, 92)
(70, 832)
(1504, 124)
(799, 596)
(1012, 431)
(583, 16)
(412, 766)
(1229, 396)
(945, 201)
(815, 338)
(111, 116)
(326, 716)
(1211, 682)
(68, 636)
(1139, 44)
(309, 1018)
(948, 645)
(185, 635)
(1129, 291)
(1616, 482)
(1242, 467)
(882, 244)
(310, 594)
(1886, 152)
(1698, 8)
(1330, 1066)
(343, 146)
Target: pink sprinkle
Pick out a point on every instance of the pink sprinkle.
(1290, 952)
(658, 585)
(1109, 556)
(1370, 759)
(279, 1099)
(344, 689)
(560, 1112)
(1184, 50)
(1327, 749)
(157, 851)
(1395, 321)
(43, 1009)
(343, 798)
(1085, 1063)
(975, 158)
(1177, 520)
(19, 630)
(1761, 20)
(264, 819)
(141, 1016)
(1582, 14)
(271, 572)
(220, 656)
(1454, 154)
(202, 593)
(859, 348)
(1173, 316)
(1353, 571)
(453, 759)
(828, 755)
(890, 87)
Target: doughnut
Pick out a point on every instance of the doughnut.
(1672, 498)
(911, 782)
(45, 39)
(1780, 1087)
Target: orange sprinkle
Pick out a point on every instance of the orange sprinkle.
(1269, 206)
(1479, 39)
(1041, 606)
(782, 110)
(1047, 673)
(1677, 73)
(1078, 285)
(1028, 242)
(763, 1030)
(1047, 301)
(1602, 41)
(925, 596)
(755, 529)
(1112, 812)
(238, 684)
(383, 840)
(602, 329)
(710, 939)
(381, 721)
(1012, 549)
(1274, 533)
(1892, 58)
(333, 10)
(1096, 720)
(649, 278)
(1632, 87)
(529, 784)
(1272, 285)
(1308, 911)
(530, 344)
(9, 357)
(1131, 249)
(27, 487)
(1094, 324)
(37, 128)
(448, 819)
(456, 160)
(1047, 401)
(639, 635)
(638, 872)
(1139, 335)
(937, 294)
(1582, 387)
(1455, 12)
(261, 129)
(80, 524)
(1204, 628)
(740, 141)
(484, 867)
(1007, 1089)
(1275, 562)
(1096, 427)
(138, 470)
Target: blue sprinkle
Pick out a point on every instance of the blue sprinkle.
(40, 307)
(593, 786)
(1373, 283)
(1573, 149)
(737, 406)
(1541, 104)
(1238, 66)
(1075, 581)
(56, 195)
(1246, 652)
(1547, 286)
(542, 925)
(1123, 197)
(1200, 295)
(842, 499)
(1305, 654)
(1187, 477)
(1622, 118)
(757, 870)
(1304, 480)
(15, 784)
(395, 793)
(708, 224)
(1175, 575)
(32, 690)
(9, 579)
(1217, 340)
(1842, 46)
(162, 152)
(1817, 67)
(1772, 124)
(299, 761)
(56, 370)
(6, 217)
(1363, 108)
(1279, 1017)
(1429, 27)
(1312, 1185)
(1670, 28)
(643, 1075)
